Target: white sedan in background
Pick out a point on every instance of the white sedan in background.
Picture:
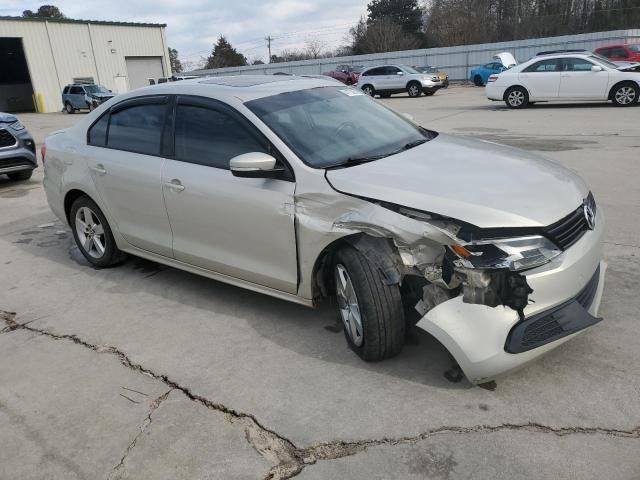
(562, 77)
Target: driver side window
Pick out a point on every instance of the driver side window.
(212, 137)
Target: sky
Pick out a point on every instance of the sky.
(194, 25)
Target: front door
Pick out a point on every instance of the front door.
(240, 227)
(577, 80)
(126, 169)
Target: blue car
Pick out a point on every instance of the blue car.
(500, 63)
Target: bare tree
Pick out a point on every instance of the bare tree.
(314, 47)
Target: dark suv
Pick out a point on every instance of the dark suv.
(84, 96)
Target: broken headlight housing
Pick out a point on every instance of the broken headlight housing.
(515, 254)
(17, 125)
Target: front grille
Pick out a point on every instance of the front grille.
(546, 327)
(6, 139)
(571, 228)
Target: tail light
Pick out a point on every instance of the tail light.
(43, 152)
(492, 78)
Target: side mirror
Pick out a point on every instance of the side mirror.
(254, 165)
(596, 68)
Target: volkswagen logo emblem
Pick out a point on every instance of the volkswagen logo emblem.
(590, 216)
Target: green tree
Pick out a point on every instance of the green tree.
(224, 55)
(405, 13)
(45, 11)
(176, 64)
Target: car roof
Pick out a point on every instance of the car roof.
(242, 87)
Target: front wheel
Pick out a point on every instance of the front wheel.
(477, 81)
(516, 97)
(93, 235)
(414, 89)
(625, 94)
(69, 108)
(371, 310)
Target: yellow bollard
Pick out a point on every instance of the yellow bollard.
(35, 104)
(41, 103)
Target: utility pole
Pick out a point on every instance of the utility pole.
(268, 39)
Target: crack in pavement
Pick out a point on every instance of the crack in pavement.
(119, 470)
(287, 459)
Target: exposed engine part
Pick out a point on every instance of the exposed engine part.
(493, 288)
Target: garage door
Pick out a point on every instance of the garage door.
(140, 69)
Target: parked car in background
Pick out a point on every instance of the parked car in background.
(626, 52)
(444, 78)
(84, 96)
(347, 74)
(385, 80)
(565, 77)
(500, 63)
(305, 190)
(17, 149)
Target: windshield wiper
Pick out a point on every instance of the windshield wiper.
(415, 143)
(356, 161)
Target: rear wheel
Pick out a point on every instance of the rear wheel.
(477, 81)
(414, 89)
(625, 94)
(348, 81)
(369, 90)
(516, 97)
(21, 175)
(93, 235)
(69, 108)
(370, 310)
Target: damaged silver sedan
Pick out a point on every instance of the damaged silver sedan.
(304, 189)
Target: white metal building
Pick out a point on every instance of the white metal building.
(38, 57)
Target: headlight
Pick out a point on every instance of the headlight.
(17, 125)
(435, 79)
(516, 254)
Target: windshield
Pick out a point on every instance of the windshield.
(337, 126)
(95, 89)
(603, 61)
(409, 69)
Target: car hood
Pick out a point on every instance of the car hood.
(7, 118)
(506, 58)
(479, 182)
(102, 95)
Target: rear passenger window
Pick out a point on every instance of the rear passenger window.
(212, 137)
(76, 90)
(543, 66)
(98, 132)
(577, 65)
(137, 128)
(66, 90)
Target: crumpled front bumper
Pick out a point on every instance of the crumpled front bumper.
(21, 156)
(478, 336)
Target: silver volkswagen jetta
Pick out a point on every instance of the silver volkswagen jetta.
(302, 189)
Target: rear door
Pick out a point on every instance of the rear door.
(76, 96)
(579, 82)
(394, 78)
(542, 79)
(240, 227)
(126, 167)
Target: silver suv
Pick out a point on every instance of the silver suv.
(385, 80)
(304, 189)
(17, 148)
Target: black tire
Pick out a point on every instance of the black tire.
(112, 255)
(69, 108)
(477, 81)
(414, 89)
(21, 175)
(516, 97)
(625, 94)
(348, 82)
(380, 308)
(369, 90)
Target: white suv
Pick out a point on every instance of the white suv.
(571, 76)
(386, 80)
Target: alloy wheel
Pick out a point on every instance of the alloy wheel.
(516, 98)
(348, 305)
(368, 90)
(90, 232)
(625, 95)
(414, 91)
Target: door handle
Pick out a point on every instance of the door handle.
(175, 184)
(99, 169)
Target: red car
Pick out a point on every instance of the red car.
(347, 74)
(628, 52)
